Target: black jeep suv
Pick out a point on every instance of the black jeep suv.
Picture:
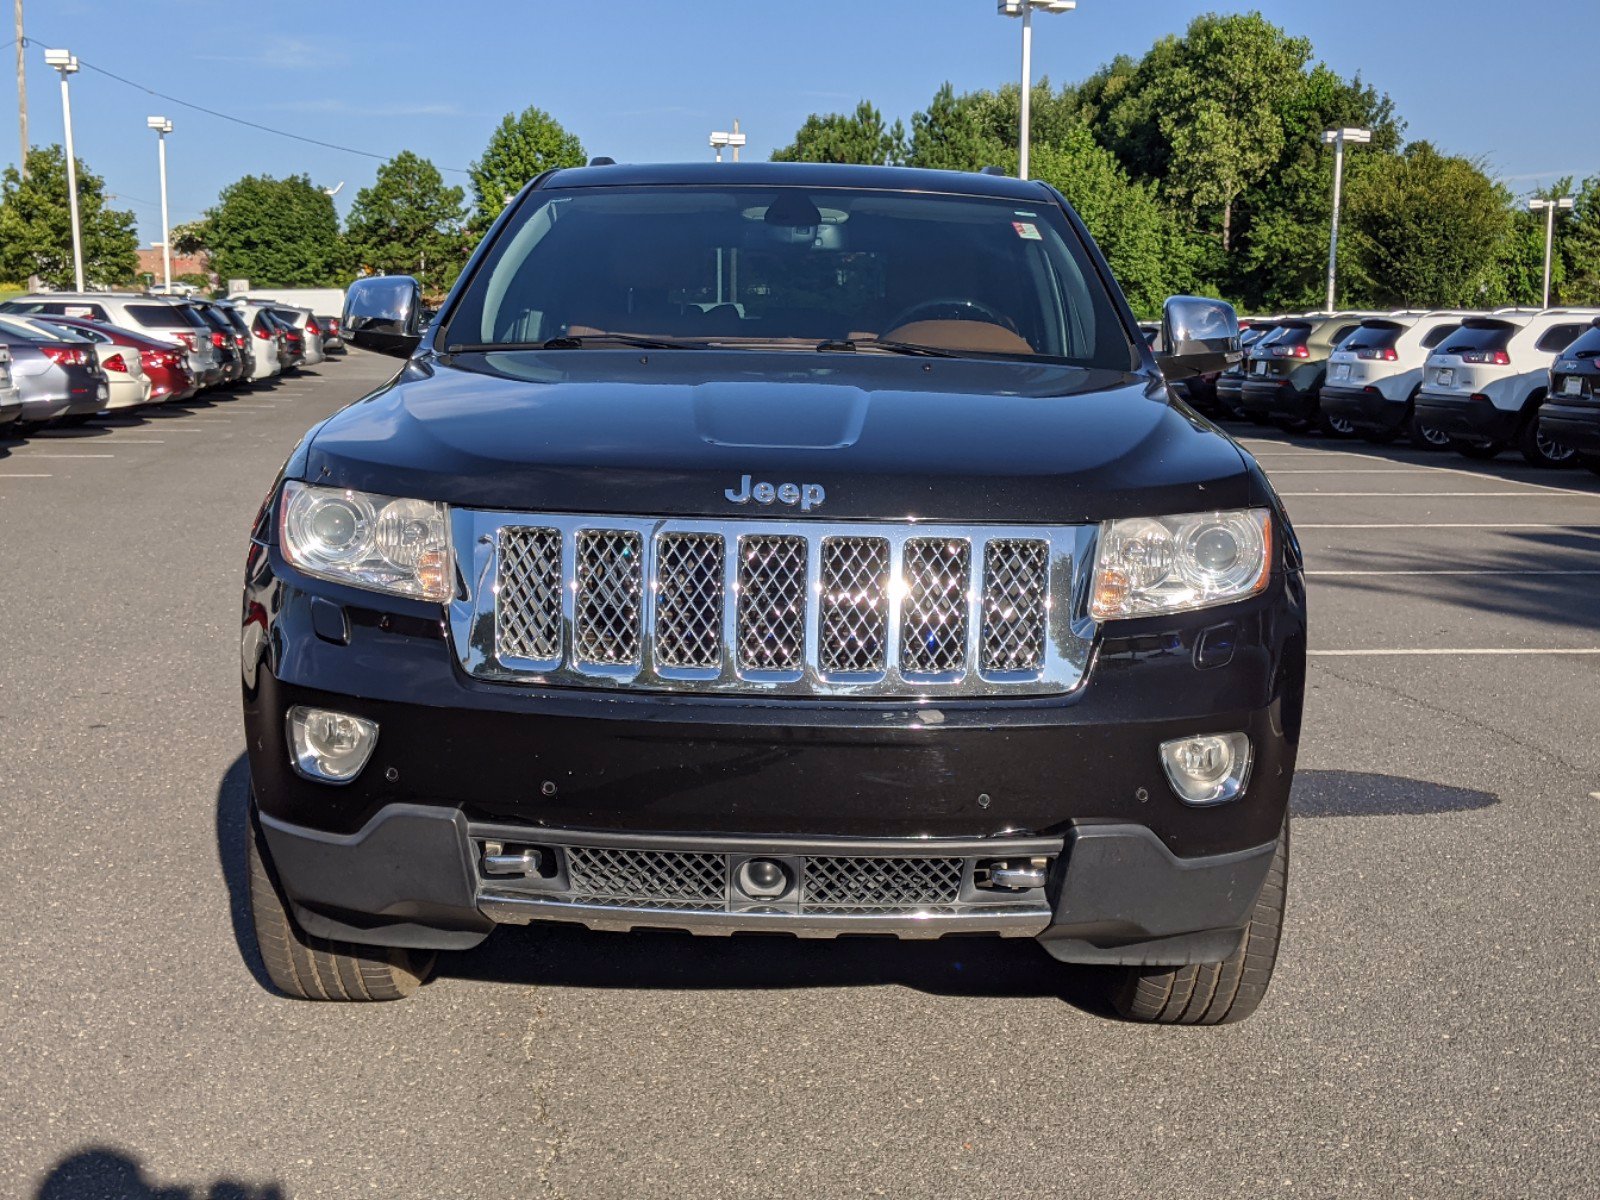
(783, 548)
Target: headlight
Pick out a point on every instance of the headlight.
(378, 542)
(1150, 565)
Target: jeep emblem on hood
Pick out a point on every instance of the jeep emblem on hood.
(806, 495)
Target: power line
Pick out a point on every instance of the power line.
(28, 41)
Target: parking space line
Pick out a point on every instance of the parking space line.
(1545, 495)
(1443, 652)
(19, 455)
(1352, 471)
(1456, 525)
(1485, 571)
(22, 476)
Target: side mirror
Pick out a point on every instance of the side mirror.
(384, 313)
(1198, 337)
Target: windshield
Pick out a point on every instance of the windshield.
(791, 268)
(1480, 337)
(1587, 346)
(1375, 335)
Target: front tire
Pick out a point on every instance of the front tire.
(1218, 993)
(312, 968)
(1477, 451)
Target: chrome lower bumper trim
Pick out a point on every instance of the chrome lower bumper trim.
(1021, 920)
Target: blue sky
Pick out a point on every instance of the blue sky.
(645, 80)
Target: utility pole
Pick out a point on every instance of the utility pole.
(22, 97)
(1337, 138)
(1549, 208)
(1024, 9)
(162, 126)
(736, 141)
(67, 64)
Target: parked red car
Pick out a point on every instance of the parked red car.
(164, 363)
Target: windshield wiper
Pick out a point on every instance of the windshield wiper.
(577, 342)
(888, 348)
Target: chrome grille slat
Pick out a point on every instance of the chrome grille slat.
(528, 604)
(1016, 597)
(933, 628)
(610, 574)
(771, 607)
(689, 600)
(772, 602)
(855, 605)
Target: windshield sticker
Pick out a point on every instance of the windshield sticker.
(1027, 231)
(77, 310)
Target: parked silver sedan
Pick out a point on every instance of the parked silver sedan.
(58, 380)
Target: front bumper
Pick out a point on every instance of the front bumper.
(1365, 408)
(416, 876)
(1472, 418)
(1572, 423)
(395, 857)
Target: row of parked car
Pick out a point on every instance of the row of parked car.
(66, 357)
(1478, 383)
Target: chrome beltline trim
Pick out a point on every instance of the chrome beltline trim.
(473, 620)
(1007, 921)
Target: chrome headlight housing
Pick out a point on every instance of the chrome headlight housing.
(384, 543)
(1149, 565)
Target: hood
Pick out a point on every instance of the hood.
(681, 433)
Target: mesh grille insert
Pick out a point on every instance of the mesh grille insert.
(879, 883)
(1016, 595)
(689, 600)
(772, 602)
(647, 877)
(855, 604)
(528, 605)
(606, 625)
(933, 624)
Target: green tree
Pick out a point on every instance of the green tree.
(1427, 229)
(979, 129)
(1580, 247)
(523, 145)
(1222, 113)
(1147, 252)
(409, 223)
(858, 137)
(36, 225)
(1281, 251)
(276, 233)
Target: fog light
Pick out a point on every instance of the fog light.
(329, 746)
(1208, 769)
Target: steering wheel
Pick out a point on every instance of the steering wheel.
(961, 308)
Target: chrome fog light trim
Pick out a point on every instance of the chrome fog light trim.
(1207, 768)
(328, 746)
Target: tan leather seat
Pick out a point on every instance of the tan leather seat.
(960, 335)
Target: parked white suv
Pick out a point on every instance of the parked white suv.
(1484, 384)
(1374, 375)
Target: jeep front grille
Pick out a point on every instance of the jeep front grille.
(773, 607)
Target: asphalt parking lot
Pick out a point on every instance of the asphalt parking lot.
(1431, 1030)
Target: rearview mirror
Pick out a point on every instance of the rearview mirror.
(1198, 337)
(384, 313)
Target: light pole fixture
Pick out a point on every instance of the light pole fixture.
(162, 126)
(1549, 208)
(732, 140)
(1338, 139)
(67, 63)
(1025, 9)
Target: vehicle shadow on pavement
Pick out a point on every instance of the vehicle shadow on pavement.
(233, 826)
(1364, 794)
(107, 1174)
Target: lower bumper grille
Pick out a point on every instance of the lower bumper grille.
(906, 894)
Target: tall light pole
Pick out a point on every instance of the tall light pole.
(1338, 138)
(1549, 208)
(67, 64)
(732, 140)
(162, 126)
(1024, 9)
